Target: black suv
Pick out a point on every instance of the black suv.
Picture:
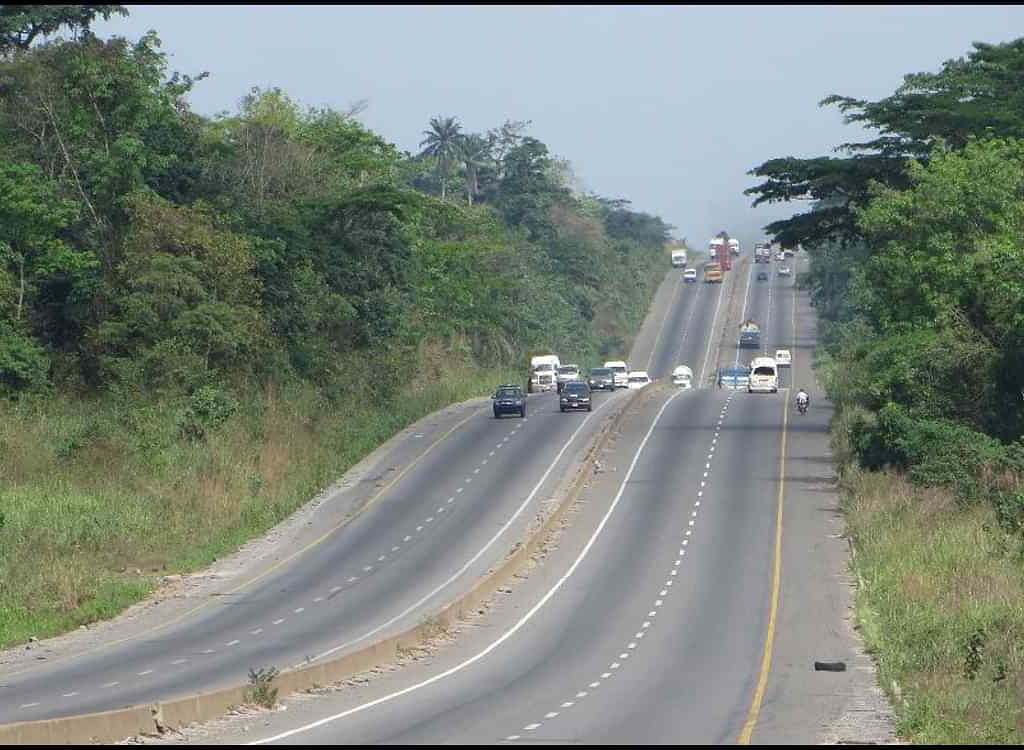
(601, 379)
(509, 399)
(575, 396)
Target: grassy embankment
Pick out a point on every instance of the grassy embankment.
(940, 604)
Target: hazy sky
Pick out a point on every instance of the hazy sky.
(667, 106)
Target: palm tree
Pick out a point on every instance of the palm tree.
(474, 150)
(442, 143)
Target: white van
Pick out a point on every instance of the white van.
(543, 373)
(621, 370)
(638, 379)
(682, 376)
(764, 376)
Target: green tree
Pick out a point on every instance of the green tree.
(442, 143)
(980, 95)
(100, 118)
(475, 152)
(42, 277)
(527, 190)
(20, 25)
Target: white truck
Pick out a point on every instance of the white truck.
(679, 259)
(543, 373)
(620, 372)
(567, 374)
(713, 246)
(734, 247)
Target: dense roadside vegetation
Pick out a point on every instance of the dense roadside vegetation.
(204, 321)
(917, 272)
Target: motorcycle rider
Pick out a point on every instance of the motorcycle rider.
(802, 400)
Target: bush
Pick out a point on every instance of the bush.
(23, 363)
(208, 408)
(261, 690)
(940, 452)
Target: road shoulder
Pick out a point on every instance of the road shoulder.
(805, 705)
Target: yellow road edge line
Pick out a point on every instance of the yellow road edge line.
(769, 644)
(373, 499)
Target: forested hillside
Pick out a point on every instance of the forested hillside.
(205, 320)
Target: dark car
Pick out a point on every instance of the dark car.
(762, 276)
(509, 399)
(601, 379)
(575, 396)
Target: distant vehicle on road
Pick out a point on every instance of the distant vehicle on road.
(567, 374)
(678, 258)
(575, 396)
(750, 335)
(682, 376)
(762, 276)
(542, 372)
(713, 273)
(734, 378)
(621, 370)
(764, 376)
(601, 379)
(638, 379)
(690, 274)
(509, 399)
(783, 358)
(785, 271)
